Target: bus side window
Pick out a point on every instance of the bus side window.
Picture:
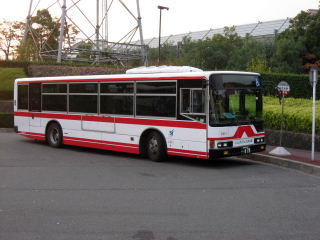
(35, 97)
(23, 97)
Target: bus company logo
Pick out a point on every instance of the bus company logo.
(171, 132)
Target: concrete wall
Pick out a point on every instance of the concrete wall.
(292, 139)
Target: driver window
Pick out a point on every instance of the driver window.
(192, 103)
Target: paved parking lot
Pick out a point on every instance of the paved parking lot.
(77, 193)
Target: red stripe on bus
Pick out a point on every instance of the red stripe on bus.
(37, 136)
(188, 155)
(98, 119)
(139, 121)
(239, 133)
(111, 79)
(187, 151)
(114, 146)
(162, 123)
(33, 133)
(48, 115)
(102, 146)
(100, 141)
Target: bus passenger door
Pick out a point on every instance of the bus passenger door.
(98, 123)
(34, 105)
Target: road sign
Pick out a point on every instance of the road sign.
(283, 88)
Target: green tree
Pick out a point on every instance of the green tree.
(211, 53)
(288, 56)
(44, 36)
(169, 54)
(251, 51)
(258, 65)
(298, 46)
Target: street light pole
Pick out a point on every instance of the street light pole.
(160, 8)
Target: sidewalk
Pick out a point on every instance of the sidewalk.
(299, 159)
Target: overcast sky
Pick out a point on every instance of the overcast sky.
(183, 15)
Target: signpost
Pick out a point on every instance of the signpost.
(313, 78)
(283, 90)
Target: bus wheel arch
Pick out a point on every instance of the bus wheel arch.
(54, 134)
(153, 145)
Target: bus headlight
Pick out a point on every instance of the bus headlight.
(225, 144)
(259, 140)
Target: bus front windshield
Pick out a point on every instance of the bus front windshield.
(235, 100)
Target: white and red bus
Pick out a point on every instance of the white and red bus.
(178, 111)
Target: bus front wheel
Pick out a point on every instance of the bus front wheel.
(54, 135)
(156, 148)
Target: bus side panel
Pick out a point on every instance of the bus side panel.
(180, 141)
(72, 128)
(22, 123)
(187, 142)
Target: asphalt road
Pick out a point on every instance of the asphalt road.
(82, 194)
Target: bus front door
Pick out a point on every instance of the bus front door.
(34, 106)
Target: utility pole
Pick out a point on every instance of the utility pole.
(159, 55)
(62, 25)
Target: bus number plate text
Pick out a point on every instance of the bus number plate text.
(243, 142)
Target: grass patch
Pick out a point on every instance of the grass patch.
(7, 77)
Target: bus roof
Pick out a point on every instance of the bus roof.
(132, 77)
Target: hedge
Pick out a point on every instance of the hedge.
(297, 114)
(6, 120)
(7, 78)
(14, 64)
(299, 84)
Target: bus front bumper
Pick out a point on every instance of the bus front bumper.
(228, 152)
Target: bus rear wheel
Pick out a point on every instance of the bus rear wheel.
(54, 135)
(156, 148)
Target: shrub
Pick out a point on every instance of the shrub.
(297, 114)
(6, 120)
(299, 84)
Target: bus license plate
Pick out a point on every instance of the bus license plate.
(245, 150)
(243, 142)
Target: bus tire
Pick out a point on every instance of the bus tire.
(54, 135)
(156, 147)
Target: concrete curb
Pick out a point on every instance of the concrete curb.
(6, 130)
(284, 162)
